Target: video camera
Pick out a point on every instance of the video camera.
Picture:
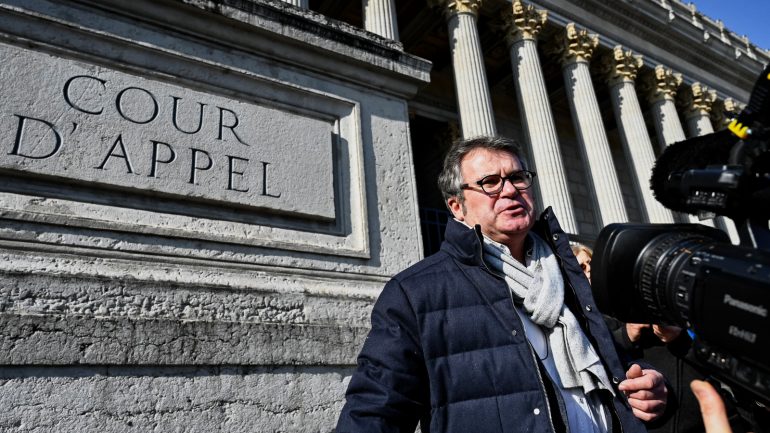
(690, 275)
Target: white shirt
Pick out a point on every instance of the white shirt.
(584, 413)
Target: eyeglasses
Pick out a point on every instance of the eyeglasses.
(494, 183)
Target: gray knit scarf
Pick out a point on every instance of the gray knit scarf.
(539, 288)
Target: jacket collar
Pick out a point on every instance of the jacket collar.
(465, 244)
(462, 242)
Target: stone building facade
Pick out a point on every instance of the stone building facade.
(201, 199)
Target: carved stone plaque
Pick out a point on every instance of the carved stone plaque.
(81, 123)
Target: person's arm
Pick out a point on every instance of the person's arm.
(388, 391)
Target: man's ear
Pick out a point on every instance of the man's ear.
(456, 207)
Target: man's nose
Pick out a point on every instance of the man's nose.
(508, 189)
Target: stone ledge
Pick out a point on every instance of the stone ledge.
(68, 340)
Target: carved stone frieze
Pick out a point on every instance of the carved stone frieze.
(523, 22)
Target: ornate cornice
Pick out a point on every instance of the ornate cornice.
(663, 84)
(454, 7)
(523, 22)
(698, 100)
(621, 66)
(633, 19)
(575, 45)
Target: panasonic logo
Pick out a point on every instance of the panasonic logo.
(759, 310)
(742, 334)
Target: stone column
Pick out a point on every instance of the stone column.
(622, 68)
(662, 90)
(380, 18)
(523, 23)
(662, 94)
(299, 3)
(473, 100)
(576, 48)
(698, 104)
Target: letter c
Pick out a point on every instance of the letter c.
(69, 100)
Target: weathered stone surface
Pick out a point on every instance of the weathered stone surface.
(141, 292)
(180, 399)
(66, 340)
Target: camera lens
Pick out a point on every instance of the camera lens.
(661, 275)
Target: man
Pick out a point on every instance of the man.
(497, 332)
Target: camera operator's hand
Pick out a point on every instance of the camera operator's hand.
(646, 392)
(666, 334)
(712, 408)
(634, 331)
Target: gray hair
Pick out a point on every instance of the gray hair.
(450, 179)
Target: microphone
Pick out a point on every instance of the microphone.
(726, 172)
(694, 175)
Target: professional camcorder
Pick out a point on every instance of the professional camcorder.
(690, 275)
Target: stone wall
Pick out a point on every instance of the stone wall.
(199, 201)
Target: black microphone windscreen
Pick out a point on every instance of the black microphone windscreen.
(695, 153)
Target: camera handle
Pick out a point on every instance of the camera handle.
(753, 233)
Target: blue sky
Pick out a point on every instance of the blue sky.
(744, 17)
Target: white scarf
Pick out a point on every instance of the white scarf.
(540, 287)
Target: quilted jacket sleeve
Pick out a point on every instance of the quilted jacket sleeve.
(389, 390)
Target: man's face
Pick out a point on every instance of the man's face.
(504, 217)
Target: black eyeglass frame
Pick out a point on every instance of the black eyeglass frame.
(509, 178)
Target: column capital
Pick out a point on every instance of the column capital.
(575, 45)
(621, 66)
(663, 84)
(454, 7)
(698, 100)
(523, 22)
(724, 112)
(733, 106)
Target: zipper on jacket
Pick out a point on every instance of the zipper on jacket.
(539, 374)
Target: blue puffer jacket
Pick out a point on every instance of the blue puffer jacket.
(447, 349)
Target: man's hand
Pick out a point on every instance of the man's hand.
(646, 392)
(711, 407)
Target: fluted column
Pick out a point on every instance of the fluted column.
(380, 18)
(299, 3)
(523, 23)
(698, 103)
(622, 68)
(473, 100)
(576, 48)
(662, 91)
(662, 94)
